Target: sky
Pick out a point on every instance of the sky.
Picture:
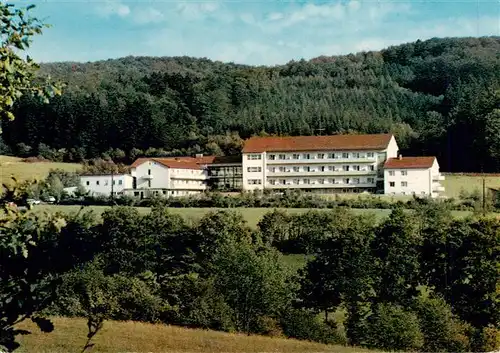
(254, 32)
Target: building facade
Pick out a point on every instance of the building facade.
(325, 164)
(418, 176)
(166, 177)
(322, 164)
(106, 184)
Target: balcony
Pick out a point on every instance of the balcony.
(319, 186)
(325, 173)
(438, 177)
(438, 188)
(321, 160)
(188, 177)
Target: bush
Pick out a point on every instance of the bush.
(390, 327)
(488, 340)
(125, 298)
(304, 325)
(443, 332)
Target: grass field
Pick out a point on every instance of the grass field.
(13, 166)
(70, 336)
(251, 215)
(454, 183)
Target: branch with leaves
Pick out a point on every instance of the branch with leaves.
(18, 74)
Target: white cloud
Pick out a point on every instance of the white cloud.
(248, 18)
(148, 15)
(354, 5)
(110, 8)
(196, 11)
(456, 27)
(270, 34)
(275, 16)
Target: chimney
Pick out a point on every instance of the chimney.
(400, 157)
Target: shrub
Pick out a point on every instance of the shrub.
(125, 298)
(488, 340)
(443, 332)
(304, 325)
(390, 327)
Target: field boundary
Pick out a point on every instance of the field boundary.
(473, 174)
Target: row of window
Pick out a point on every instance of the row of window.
(343, 155)
(195, 182)
(330, 168)
(392, 184)
(321, 181)
(283, 156)
(254, 169)
(307, 181)
(106, 182)
(393, 173)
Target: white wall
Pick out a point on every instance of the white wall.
(330, 158)
(188, 179)
(418, 182)
(101, 184)
(393, 148)
(250, 163)
(159, 173)
(162, 177)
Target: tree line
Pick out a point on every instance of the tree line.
(410, 282)
(439, 97)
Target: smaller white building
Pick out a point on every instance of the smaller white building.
(418, 176)
(106, 184)
(167, 177)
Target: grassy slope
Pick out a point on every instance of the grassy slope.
(453, 184)
(70, 336)
(251, 215)
(12, 166)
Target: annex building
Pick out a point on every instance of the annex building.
(321, 164)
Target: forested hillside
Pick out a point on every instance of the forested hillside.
(440, 97)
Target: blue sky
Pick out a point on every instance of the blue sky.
(253, 32)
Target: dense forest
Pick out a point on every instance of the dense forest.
(439, 97)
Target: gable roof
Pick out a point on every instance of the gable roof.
(188, 162)
(317, 143)
(168, 162)
(409, 162)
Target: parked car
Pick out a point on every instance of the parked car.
(50, 199)
(33, 202)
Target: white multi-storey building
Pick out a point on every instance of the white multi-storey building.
(413, 176)
(338, 163)
(106, 184)
(324, 164)
(166, 176)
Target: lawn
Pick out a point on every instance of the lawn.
(454, 183)
(13, 166)
(251, 215)
(70, 336)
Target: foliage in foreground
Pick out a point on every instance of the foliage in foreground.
(217, 273)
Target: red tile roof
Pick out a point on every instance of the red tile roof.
(169, 162)
(409, 162)
(189, 161)
(317, 143)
